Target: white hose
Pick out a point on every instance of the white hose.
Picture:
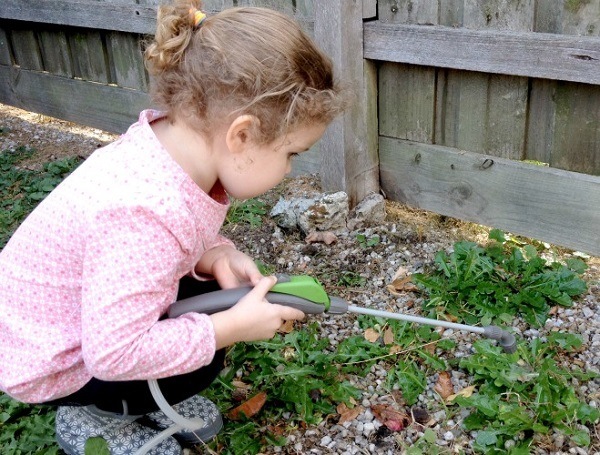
(180, 422)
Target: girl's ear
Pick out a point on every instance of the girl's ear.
(240, 133)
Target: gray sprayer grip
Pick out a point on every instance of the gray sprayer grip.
(214, 302)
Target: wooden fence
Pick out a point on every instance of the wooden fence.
(484, 110)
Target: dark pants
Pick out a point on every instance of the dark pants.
(111, 395)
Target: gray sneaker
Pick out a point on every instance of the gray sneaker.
(192, 408)
(76, 424)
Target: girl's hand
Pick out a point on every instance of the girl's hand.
(230, 267)
(253, 317)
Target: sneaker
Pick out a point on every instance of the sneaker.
(76, 424)
(192, 408)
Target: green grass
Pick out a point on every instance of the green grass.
(21, 189)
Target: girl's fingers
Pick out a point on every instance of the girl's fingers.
(289, 313)
(263, 286)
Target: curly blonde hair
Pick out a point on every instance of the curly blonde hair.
(252, 61)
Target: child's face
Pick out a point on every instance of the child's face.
(261, 167)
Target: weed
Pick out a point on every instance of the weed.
(300, 377)
(524, 394)
(22, 189)
(368, 242)
(350, 279)
(26, 429)
(249, 212)
(483, 284)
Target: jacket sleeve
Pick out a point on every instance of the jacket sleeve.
(131, 270)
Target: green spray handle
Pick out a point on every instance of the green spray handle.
(302, 292)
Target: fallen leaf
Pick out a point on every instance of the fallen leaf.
(401, 282)
(395, 349)
(388, 336)
(371, 335)
(325, 237)
(466, 392)
(444, 386)
(400, 273)
(430, 347)
(240, 384)
(420, 415)
(249, 407)
(240, 393)
(348, 414)
(450, 317)
(392, 418)
(286, 327)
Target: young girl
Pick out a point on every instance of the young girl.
(86, 280)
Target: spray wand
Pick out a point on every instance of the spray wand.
(307, 295)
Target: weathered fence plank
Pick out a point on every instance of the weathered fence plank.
(349, 146)
(89, 57)
(5, 58)
(406, 92)
(489, 112)
(70, 99)
(26, 50)
(526, 199)
(532, 54)
(564, 117)
(125, 60)
(83, 13)
(54, 49)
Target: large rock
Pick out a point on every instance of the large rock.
(328, 212)
(370, 211)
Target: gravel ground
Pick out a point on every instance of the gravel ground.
(408, 238)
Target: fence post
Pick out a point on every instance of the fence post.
(349, 160)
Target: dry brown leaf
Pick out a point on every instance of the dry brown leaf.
(388, 336)
(249, 408)
(450, 317)
(371, 335)
(466, 392)
(400, 273)
(286, 327)
(430, 347)
(395, 349)
(348, 414)
(444, 386)
(325, 237)
(420, 415)
(392, 418)
(240, 384)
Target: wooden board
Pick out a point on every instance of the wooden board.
(54, 50)
(407, 93)
(349, 146)
(125, 60)
(5, 57)
(83, 13)
(552, 205)
(89, 58)
(25, 49)
(564, 117)
(101, 106)
(541, 55)
(407, 102)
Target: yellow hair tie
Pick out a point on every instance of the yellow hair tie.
(197, 17)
